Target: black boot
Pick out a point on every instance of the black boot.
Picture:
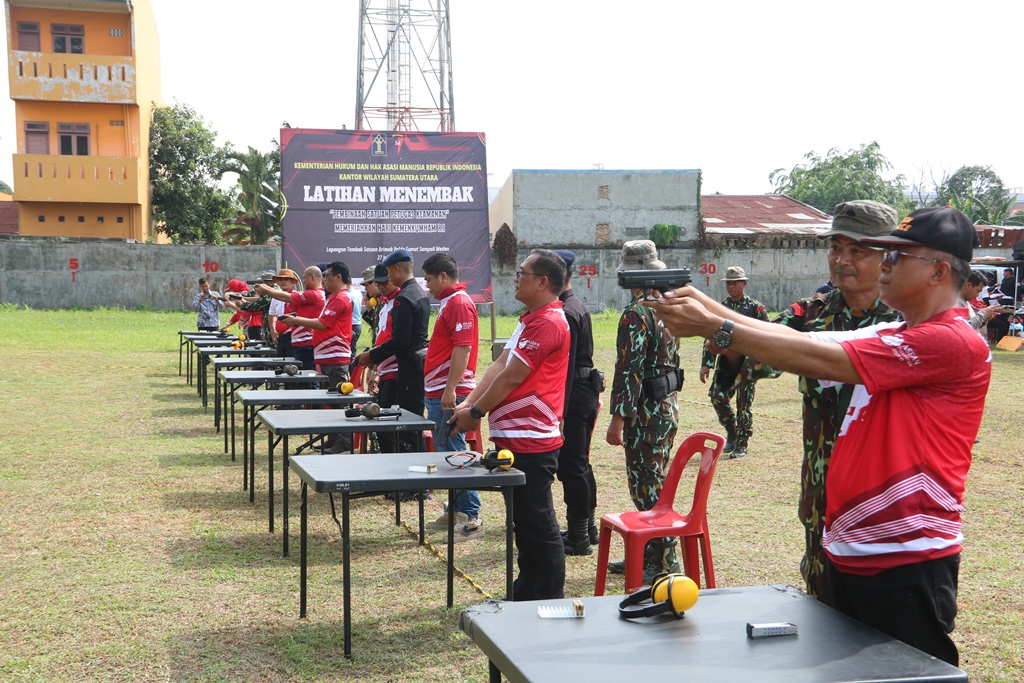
(576, 539)
(595, 536)
(740, 451)
(730, 439)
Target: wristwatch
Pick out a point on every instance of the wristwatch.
(476, 413)
(723, 338)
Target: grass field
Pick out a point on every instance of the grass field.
(128, 551)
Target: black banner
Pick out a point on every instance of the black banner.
(356, 196)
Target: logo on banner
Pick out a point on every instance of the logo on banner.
(380, 145)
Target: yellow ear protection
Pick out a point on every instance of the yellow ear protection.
(497, 460)
(673, 593)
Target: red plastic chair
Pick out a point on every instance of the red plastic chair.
(637, 528)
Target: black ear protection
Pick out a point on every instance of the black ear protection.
(497, 460)
(289, 369)
(372, 410)
(674, 593)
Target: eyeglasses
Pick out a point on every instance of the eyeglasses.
(460, 460)
(893, 256)
(520, 273)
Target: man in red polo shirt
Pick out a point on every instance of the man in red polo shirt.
(332, 337)
(895, 485)
(308, 304)
(448, 375)
(523, 392)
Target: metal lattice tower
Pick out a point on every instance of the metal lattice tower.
(404, 80)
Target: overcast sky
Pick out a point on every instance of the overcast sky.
(736, 89)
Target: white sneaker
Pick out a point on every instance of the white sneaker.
(442, 521)
(468, 530)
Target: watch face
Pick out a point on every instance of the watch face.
(722, 339)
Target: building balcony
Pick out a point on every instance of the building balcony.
(59, 77)
(52, 178)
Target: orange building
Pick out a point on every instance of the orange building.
(84, 75)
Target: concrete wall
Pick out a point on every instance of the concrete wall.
(778, 276)
(82, 273)
(586, 208)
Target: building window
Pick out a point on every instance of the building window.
(74, 139)
(37, 137)
(120, 219)
(60, 219)
(68, 38)
(42, 218)
(99, 219)
(28, 36)
(81, 219)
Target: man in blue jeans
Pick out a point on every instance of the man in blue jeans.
(448, 376)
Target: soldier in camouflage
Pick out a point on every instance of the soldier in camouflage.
(855, 269)
(643, 404)
(373, 303)
(732, 377)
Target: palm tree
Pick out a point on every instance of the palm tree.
(259, 197)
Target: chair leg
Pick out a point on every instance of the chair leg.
(691, 558)
(603, 548)
(634, 564)
(709, 564)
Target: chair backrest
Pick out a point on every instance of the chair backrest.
(695, 443)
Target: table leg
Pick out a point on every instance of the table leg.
(494, 673)
(181, 349)
(252, 455)
(245, 446)
(216, 403)
(302, 552)
(232, 425)
(270, 481)
(346, 573)
(507, 492)
(204, 381)
(451, 544)
(284, 497)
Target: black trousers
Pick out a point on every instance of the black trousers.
(579, 489)
(284, 345)
(915, 603)
(541, 552)
(304, 354)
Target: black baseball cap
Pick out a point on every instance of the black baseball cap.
(945, 229)
(380, 274)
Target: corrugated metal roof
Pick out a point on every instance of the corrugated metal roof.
(761, 213)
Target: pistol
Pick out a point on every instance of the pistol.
(651, 281)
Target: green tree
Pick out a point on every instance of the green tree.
(184, 163)
(5, 188)
(840, 176)
(982, 211)
(978, 182)
(259, 202)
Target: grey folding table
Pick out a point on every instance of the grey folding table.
(708, 645)
(245, 363)
(281, 424)
(207, 352)
(255, 401)
(186, 347)
(359, 476)
(232, 379)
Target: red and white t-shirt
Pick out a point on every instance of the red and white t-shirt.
(333, 346)
(456, 325)
(308, 304)
(527, 420)
(896, 479)
(387, 368)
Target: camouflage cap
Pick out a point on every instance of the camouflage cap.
(368, 274)
(734, 274)
(862, 218)
(640, 255)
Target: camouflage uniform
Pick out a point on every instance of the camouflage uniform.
(646, 350)
(823, 412)
(726, 383)
(371, 314)
(261, 305)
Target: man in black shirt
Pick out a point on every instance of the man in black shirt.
(579, 489)
(410, 316)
